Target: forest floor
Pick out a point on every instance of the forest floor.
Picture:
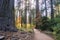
(38, 35)
(41, 36)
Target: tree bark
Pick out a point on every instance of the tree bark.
(8, 15)
(38, 15)
(52, 11)
(45, 8)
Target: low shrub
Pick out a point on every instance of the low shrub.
(56, 29)
(57, 20)
(58, 36)
(47, 23)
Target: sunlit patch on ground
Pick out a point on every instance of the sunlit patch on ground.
(27, 26)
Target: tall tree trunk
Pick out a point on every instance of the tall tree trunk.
(45, 8)
(7, 15)
(38, 15)
(52, 11)
(25, 13)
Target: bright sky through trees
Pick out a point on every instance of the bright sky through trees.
(33, 5)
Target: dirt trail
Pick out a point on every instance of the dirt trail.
(41, 36)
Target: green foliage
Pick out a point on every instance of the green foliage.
(58, 36)
(47, 24)
(57, 20)
(56, 29)
(52, 25)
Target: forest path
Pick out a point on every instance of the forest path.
(41, 36)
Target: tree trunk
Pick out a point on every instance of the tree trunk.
(7, 19)
(52, 11)
(38, 15)
(45, 8)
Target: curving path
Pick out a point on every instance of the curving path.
(41, 36)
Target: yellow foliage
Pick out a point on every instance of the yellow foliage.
(18, 22)
(20, 26)
(28, 26)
